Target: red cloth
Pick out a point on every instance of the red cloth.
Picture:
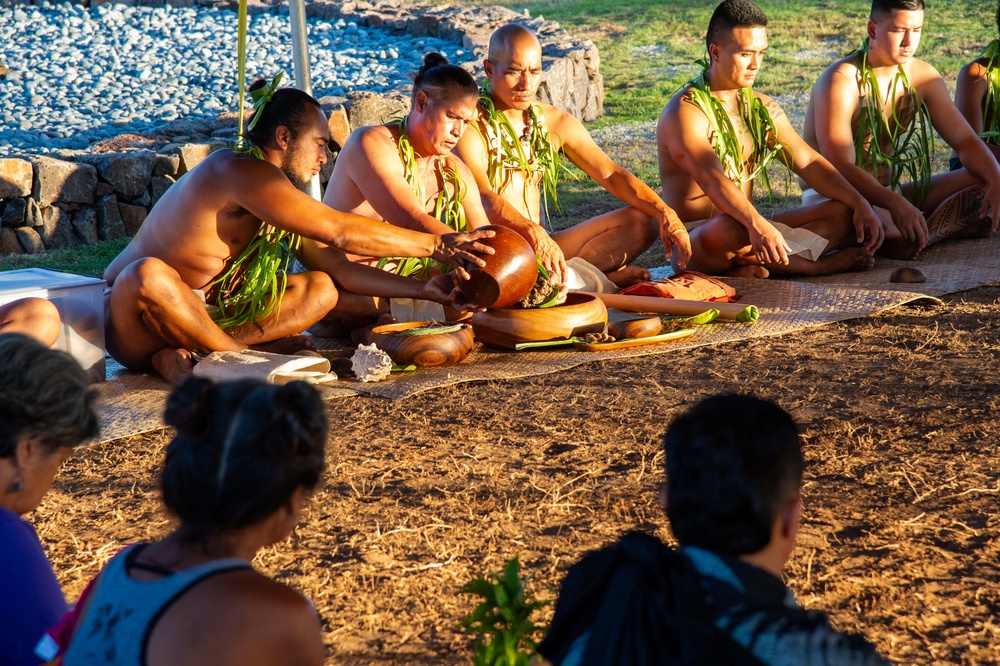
(686, 285)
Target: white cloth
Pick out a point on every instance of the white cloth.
(585, 276)
(271, 368)
(800, 241)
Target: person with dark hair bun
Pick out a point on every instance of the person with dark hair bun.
(46, 409)
(732, 497)
(403, 173)
(206, 241)
(244, 457)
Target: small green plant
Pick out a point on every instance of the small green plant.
(505, 633)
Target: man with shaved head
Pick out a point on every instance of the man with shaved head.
(514, 155)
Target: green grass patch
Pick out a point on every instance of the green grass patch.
(82, 260)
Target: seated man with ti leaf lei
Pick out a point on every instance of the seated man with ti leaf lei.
(403, 173)
(717, 136)
(870, 114)
(515, 156)
(977, 96)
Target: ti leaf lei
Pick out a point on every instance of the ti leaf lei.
(902, 148)
(991, 104)
(448, 206)
(530, 153)
(252, 286)
(726, 140)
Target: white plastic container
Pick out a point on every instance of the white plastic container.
(80, 301)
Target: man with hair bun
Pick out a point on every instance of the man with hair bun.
(195, 241)
(515, 156)
(732, 496)
(872, 114)
(403, 173)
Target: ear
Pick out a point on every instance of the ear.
(714, 52)
(791, 514)
(488, 68)
(872, 29)
(283, 137)
(420, 101)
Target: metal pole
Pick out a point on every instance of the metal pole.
(300, 58)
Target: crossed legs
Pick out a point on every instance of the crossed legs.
(154, 320)
(611, 241)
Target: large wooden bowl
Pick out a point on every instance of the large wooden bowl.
(423, 351)
(579, 315)
(508, 275)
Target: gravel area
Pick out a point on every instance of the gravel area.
(80, 75)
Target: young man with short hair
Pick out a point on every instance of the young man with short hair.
(870, 113)
(717, 136)
(732, 496)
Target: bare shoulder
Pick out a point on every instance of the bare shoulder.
(834, 77)
(773, 108)
(972, 71)
(371, 136)
(558, 120)
(923, 73)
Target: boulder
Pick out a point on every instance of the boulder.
(33, 214)
(368, 108)
(57, 228)
(14, 212)
(166, 165)
(15, 178)
(190, 154)
(335, 109)
(109, 219)
(30, 240)
(85, 225)
(9, 243)
(132, 217)
(158, 186)
(103, 189)
(142, 200)
(69, 182)
(127, 172)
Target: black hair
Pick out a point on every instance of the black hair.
(882, 8)
(240, 451)
(441, 80)
(732, 462)
(733, 14)
(43, 393)
(289, 107)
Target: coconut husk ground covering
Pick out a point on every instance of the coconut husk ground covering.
(900, 538)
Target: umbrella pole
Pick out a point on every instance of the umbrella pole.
(300, 57)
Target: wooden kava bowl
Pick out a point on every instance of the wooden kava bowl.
(509, 274)
(579, 315)
(423, 351)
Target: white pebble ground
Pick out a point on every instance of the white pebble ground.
(79, 75)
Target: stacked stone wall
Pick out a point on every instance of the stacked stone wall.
(104, 193)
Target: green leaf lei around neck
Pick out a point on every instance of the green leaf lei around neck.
(530, 153)
(991, 103)
(252, 286)
(448, 207)
(903, 147)
(725, 139)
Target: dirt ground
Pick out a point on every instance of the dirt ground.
(900, 534)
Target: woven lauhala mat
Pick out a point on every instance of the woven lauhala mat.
(132, 403)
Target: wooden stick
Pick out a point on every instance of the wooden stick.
(676, 306)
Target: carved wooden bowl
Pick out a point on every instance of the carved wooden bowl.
(508, 275)
(579, 315)
(423, 351)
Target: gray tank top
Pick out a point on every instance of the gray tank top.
(123, 611)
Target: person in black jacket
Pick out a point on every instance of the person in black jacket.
(732, 499)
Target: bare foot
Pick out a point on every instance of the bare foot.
(750, 271)
(289, 345)
(174, 365)
(628, 276)
(848, 260)
(958, 216)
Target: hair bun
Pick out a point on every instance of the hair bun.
(433, 59)
(189, 407)
(256, 85)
